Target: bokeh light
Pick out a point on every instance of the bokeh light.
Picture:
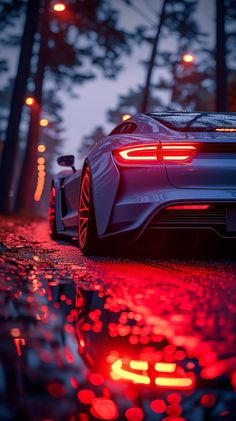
(43, 122)
(125, 117)
(188, 58)
(41, 148)
(29, 100)
(59, 7)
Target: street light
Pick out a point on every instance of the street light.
(125, 117)
(41, 148)
(59, 7)
(29, 100)
(41, 160)
(43, 122)
(188, 58)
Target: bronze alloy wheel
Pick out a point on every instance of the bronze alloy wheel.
(84, 208)
(52, 213)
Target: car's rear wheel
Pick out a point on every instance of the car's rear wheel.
(87, 230)
(52, 213)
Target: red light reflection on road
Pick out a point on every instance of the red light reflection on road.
(119, 373)
(104, 409)
(174, 321)
(177, 377)
(18, 343)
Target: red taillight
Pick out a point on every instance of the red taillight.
(166, 153)
(188, 207)
(136, 154)
(177, 153)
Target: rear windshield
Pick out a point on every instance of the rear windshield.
(197, 122)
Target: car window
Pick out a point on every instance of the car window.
(124, 128)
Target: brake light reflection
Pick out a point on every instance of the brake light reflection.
(181, 383)
(165, 367)
(129, 375)
(179, 379)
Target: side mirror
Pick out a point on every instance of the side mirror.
(66, 161)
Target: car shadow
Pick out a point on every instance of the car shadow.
(205, 245)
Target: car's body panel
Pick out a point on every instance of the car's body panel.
(126, 197)
(71, 186)
(210, 168)
(122, 220)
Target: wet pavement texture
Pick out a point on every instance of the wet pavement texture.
(116, 338)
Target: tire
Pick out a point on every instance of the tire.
(89, 243)
(52, 214)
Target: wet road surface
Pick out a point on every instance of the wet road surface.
(136, 338)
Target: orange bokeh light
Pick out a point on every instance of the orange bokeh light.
(15, 332)
(188, 58)
(41, 148)
(59, 7)
(41, 179)
(29, 100)
(43, 122)
(125, 117)
(41, 167)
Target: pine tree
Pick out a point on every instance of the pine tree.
(86, 39)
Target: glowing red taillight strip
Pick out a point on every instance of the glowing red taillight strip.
(168, 153)
(188, 207)
(147, 153)
(177, 152)
(138, 153)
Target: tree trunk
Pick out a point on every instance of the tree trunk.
(11, 144)
(146, 92)
(221, 71)
(28, 173)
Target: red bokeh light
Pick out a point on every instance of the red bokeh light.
(57, 390)
(86, 396)
(174, 410)
(134, 414)
(174, 398)
(96, 379)
(158, 405)
(104, 409)
(208, 400)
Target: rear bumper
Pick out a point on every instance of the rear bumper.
(146, 212)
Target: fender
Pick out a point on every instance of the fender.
(105, 182)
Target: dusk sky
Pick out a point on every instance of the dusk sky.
(82, 114)
(89, 110)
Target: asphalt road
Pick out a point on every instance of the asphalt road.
(126, 338)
